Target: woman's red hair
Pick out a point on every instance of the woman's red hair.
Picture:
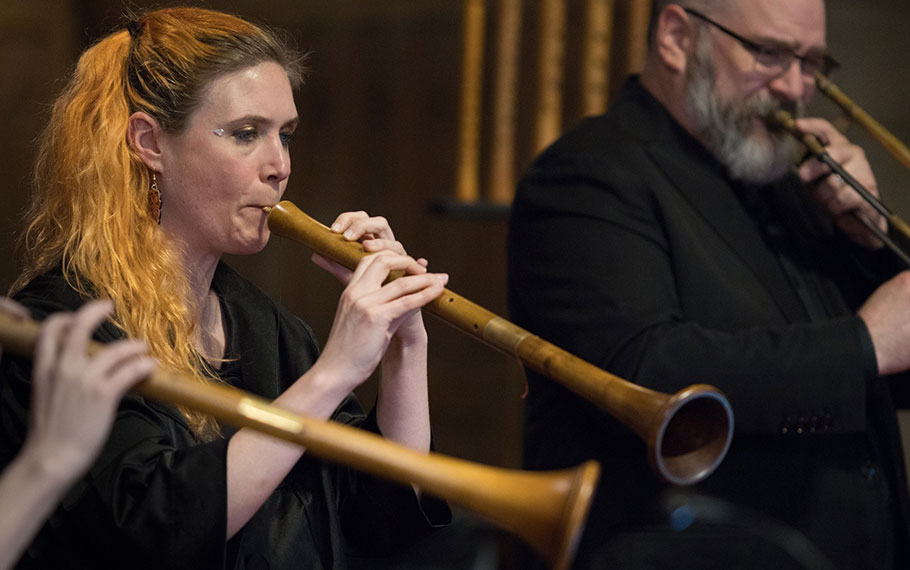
(89, 210)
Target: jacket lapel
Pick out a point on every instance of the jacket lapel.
(683, 161)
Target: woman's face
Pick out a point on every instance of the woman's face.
(230, 161)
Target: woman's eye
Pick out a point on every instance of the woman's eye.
(287, 138)
(245, 135)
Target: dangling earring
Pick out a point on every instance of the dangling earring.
(155, 200)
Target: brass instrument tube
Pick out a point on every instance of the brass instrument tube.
(546, 509)
(864, 119)
(783, 120)
(687, 433)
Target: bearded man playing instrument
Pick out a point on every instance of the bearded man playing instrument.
(672, 241)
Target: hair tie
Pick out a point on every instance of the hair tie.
(134, 28)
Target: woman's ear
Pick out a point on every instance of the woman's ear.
(144, 135)
(673, 37)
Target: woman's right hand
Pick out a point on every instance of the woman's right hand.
(75, 394)
(370, 312)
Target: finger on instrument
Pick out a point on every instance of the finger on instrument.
(375, 268)
(85, 321)
(823, 130)
(47, 348)
(377, 244)
(360, 226)
(119, 362)
(13, 308)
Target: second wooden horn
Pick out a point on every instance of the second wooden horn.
(687, 433)
(547, 509)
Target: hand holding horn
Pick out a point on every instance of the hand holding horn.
(687, 433)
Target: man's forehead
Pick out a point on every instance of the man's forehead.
(799, 23)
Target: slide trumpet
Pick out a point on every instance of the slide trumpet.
(687, 433)
(897, 149)
(784, 121)
(547, 509)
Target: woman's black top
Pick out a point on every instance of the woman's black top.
(156, 497)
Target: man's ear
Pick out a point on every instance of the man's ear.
(673, 37)
(144, 135)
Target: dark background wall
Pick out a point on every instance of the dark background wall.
(379, 132)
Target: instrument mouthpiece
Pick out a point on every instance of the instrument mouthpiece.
(267, 209)
(781, 120)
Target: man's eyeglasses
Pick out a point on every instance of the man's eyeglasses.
(773, 58)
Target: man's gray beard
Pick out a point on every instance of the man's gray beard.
(751, 153)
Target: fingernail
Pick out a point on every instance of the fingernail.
(349, 234)
(443, 278)
(336, 227)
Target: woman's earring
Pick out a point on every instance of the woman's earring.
(155, 200)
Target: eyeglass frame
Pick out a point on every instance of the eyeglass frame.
(824, 64)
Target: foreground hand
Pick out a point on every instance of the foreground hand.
(13, 309)
(833, 195)
(370, 313)
(74, 394)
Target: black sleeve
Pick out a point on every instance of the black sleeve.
(381, 517)
(155, 495)
(163, 488)
(377, 517)
(592, 270)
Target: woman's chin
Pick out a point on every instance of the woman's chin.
(250, 244)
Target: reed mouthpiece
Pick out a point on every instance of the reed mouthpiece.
(266, 209)
(781, 120)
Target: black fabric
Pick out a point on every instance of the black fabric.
(156, 497)
(630, 247)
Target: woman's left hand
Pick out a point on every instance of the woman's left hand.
(374, 234)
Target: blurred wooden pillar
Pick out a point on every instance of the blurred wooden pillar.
(468, 179)
(550, 72)
(595, 76)
(630, 45)
(636, 32)
(502, 153)
(615, 44)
